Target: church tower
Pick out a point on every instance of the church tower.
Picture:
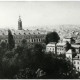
(19, 24)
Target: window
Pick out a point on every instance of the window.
(78, 56)
(3, 33)
(5, 40)
(77, 62)
(78, 67)
(34, 40)
(14, 34)
(74, 62)
(19, 34)
(37, 40)
(24, 33)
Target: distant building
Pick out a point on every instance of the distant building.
(69, 54)
(69, 39)
(51, 47)
(61, 48)
(76, 62)
(77, 41)
(58, 48)
(32, 37)
(19, 24)
(76, 47)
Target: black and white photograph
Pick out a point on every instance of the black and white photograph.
(39, 39)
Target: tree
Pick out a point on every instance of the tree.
(58, 68)
(3, 45)
(37, 55)
(10, 61)
(68, 46)
(74, 52)
(24, 43)
(11, 41)
(38, 47)
(26, 73)
(52, 37)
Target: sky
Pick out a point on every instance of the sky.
(39, 13)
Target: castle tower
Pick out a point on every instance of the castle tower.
(19, 24)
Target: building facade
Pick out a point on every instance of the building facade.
(51, 47)
(61, 48)
(76, 47)
(76, 62)
(69, 54)
(31, 36)
(58, 48)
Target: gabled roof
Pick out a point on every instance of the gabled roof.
(69, 51)
(77, 57)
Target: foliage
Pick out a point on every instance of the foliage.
(3, 45)
(68, 46)
(26, 73)
(29, 63)
(52, 37)
(11, 41)
(23, 43)
(9, 60)
(58, 68)
(74, 52)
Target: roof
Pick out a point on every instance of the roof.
(51, 44)
(75, 45)
(78, 37)
(67, 36)
(69, 51)
(21, 32)
(61, 44)
(77, 57)
(78, 41)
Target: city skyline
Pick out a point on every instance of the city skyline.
(39, 13)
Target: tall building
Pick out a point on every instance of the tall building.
(19, 24)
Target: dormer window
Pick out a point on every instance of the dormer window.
(74, 62)
(29, 33)
(33, 33)
(37, 29)
(19, 34)
(38, 33)
(78, 67)
(3, 33)
(78, 56)
(14, 34)
(24, 33)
